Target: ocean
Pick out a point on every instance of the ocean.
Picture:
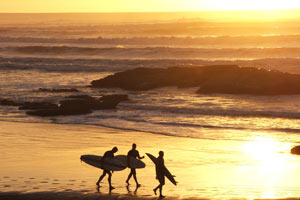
(71, 50)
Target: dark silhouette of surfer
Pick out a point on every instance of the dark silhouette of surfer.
(160, 173)
(133, 153)
(107, 154)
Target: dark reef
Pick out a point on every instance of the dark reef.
(227, 79)
(60, 90)
(295, 150)
(71, 105)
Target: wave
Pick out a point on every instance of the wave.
(180, 129)
(253, 40)
(215, 111)
(54, 64)
(158, 52)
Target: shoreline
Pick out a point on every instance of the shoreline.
(44, 159)
(95, 196)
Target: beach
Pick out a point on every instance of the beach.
(43, 158)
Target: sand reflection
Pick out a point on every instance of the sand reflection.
(271, 162)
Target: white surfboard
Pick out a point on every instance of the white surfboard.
(111, 164)
(134, 163)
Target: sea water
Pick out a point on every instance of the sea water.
(71, 50)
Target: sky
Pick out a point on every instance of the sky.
(41, 6)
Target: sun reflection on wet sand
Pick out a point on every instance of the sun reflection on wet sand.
(259, 167)
(271, 161)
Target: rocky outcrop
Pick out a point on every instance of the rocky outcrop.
(295, 150)
(80, 104)
(7, 102)
(60, 90)
(71, 105)
(37, 105)
(228, 79)
(59, 112)
(115, 97)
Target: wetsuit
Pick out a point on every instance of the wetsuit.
(160, 170)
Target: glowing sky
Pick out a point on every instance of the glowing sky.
(8, 6)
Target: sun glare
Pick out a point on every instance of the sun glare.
(254, 4)
(266, 155)
(144, 5)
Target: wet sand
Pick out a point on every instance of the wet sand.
(41, 161)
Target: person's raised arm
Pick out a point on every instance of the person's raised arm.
(138, 155)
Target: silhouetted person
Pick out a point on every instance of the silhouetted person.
(133, 153)
(160, 173)
(108, 154)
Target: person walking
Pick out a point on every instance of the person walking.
(107, 154)
(133, 154)
(160, 173)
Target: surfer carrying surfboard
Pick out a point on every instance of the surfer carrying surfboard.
(107, 154)
(160, 173)
(133, 154)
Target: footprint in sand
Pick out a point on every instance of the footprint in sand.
(35, 188)
(27, 181)
(83, 181)
(6, 186)
(70, 184)
(31, 178)
(6, 177)
(72, 180)
(55, 180)
(55, 183)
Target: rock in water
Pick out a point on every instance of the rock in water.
(295, 150)
(78, 105)
(7, 102)
(227, 79)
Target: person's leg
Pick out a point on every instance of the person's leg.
(101, 177)
(162, 183)
(129, 176)
(160, 191)
(134, 176)
(155, 189)
(109, 181)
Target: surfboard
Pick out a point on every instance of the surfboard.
(110, 164)
(167, 173)
(134, 163)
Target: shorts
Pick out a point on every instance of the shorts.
(161, 179)
(133, 171)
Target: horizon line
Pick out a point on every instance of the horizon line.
(132, 12)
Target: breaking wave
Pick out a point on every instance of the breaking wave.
(54, 64)
(229, 41)
(158, 52)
